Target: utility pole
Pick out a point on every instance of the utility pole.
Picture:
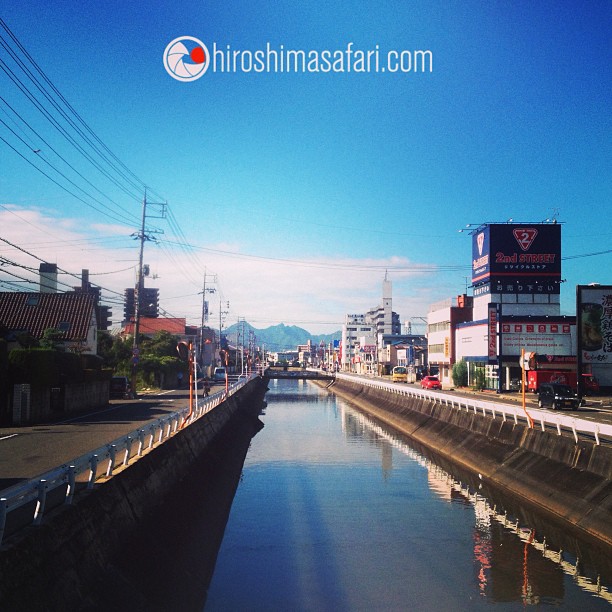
(204, 315)
(222, 313)
(142, 236)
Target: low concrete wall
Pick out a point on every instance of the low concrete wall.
(54, 566)
(45, 403)
(570, 482)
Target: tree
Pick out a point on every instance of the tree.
(163, 343)
(460, 373)
(480, 380)
(116, 353)
(51, 339)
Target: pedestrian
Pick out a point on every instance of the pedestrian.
(179, 380)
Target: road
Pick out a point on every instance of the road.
(26, 452)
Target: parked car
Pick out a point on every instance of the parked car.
(219, 375)
(430, 382)
(120, 388)
(399, 374)
(557, 396)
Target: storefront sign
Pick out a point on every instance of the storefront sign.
(515, 258)
(594, 311)
(492, 323)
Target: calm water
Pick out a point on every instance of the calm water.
(335, 512)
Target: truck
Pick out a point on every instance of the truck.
(563, 377)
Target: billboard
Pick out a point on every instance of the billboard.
(492, 337)
(517, 258)
(594, 319)
(550, 339)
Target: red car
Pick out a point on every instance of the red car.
(430, 382)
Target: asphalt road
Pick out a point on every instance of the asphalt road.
(26, 452)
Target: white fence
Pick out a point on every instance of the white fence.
(543, 419)
(101, 462)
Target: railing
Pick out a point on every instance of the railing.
(545, 420)
(58, 485)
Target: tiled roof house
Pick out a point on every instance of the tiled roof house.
(72, 314)
(150, 325)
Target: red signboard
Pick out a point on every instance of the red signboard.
(492, 345)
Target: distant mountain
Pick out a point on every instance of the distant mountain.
(278, 337)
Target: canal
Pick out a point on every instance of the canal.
(334, 511)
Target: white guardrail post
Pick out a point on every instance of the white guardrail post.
(36, 490)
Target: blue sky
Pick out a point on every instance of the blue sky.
(298, 191)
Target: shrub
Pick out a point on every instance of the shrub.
(44, 367)
(480, 381)
(460, 374)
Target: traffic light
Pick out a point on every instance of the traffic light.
(104, 317)
(149, 303)
(128, 305)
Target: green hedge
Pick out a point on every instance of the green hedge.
(44, 367)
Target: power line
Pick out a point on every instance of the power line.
(130, 220)
(49, 97)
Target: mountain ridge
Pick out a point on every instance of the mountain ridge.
(277, 337)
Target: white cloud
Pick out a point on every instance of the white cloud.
(314, 292)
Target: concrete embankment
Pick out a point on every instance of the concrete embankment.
(570, 482)
(119, 546)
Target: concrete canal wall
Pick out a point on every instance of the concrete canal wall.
(73, 561)
(571, 482)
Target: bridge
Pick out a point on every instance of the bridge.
(297, 374)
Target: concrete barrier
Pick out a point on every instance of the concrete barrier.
(569, 482)
(58, 565)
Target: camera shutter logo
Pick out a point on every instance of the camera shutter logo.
(186, 58)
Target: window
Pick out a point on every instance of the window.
(32, 300)
(64, 326)
(434, 327)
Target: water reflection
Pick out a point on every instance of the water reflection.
(337, 512)
(510, 563)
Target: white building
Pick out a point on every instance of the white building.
(362, 334)
(442, 320)
(516, 276)
(356, 335)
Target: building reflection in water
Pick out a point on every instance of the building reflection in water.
(510, 562)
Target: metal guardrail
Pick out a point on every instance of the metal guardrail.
(542, 418)
(102, 462)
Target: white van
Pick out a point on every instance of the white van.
(219, 374)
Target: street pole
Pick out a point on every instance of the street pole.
(500, 351)
(204, 320)
(138, 294)
(139, 288)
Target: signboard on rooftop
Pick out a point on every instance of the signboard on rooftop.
(517, 258)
